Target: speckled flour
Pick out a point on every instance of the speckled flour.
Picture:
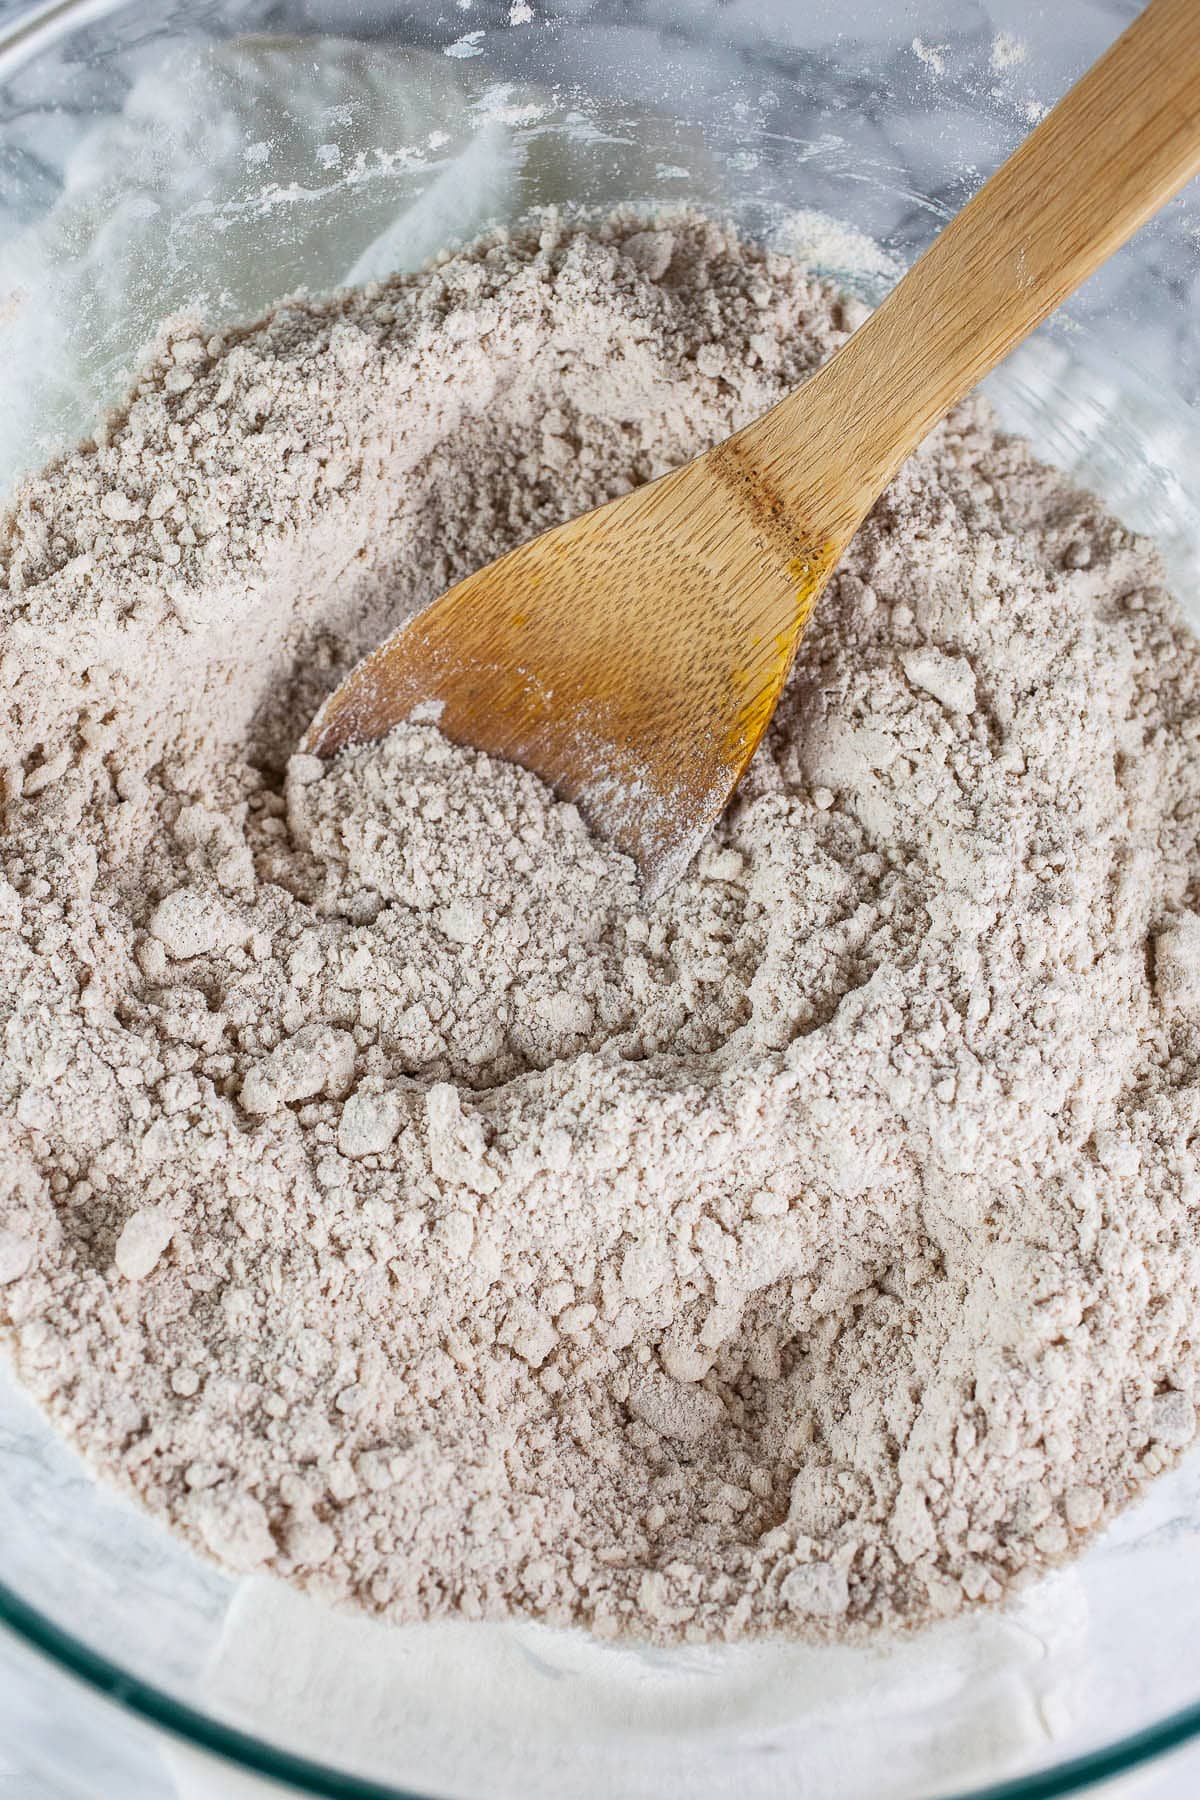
(388, 1197)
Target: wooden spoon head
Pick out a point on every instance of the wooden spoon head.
(632, 658)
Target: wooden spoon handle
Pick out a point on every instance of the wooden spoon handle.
(1114, 150)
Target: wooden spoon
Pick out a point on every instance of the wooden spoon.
(633, 657)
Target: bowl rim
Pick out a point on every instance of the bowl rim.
(31, 30)
(155, 1707)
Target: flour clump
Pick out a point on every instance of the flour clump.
(389, 1196)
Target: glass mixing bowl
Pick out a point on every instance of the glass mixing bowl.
(214, 155)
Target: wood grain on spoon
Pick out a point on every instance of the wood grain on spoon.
(633, 657)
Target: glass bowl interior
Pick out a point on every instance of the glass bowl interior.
(210, 158)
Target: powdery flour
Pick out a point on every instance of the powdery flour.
(390, 1199)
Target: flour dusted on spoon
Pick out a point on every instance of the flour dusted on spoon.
(392, 1199)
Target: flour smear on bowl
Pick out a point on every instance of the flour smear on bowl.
(393, 1201)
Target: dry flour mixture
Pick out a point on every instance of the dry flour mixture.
(393, 1201)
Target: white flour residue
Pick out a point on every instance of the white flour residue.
(838, 249)
(162, 204)
(932, 55)
(363, 162)
(1007, 52)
